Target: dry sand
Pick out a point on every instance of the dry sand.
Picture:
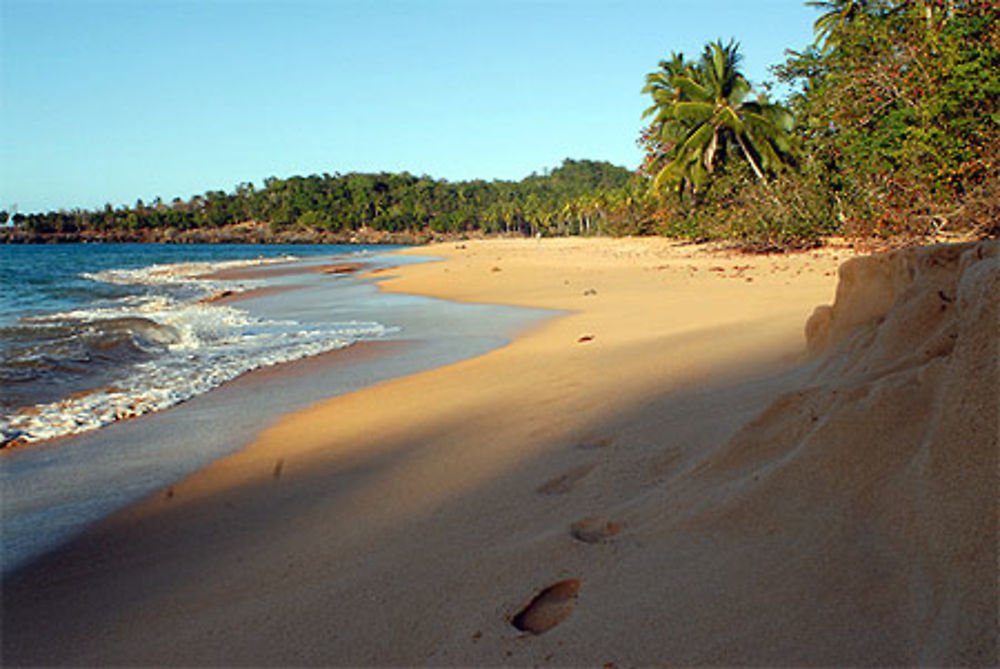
(660, 476)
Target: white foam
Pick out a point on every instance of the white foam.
(208, 345)
(182, 272)
(188, 369)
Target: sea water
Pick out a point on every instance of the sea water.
(91, 334)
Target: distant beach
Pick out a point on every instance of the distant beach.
(686, 456)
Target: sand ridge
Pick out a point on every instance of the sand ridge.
(683, 486)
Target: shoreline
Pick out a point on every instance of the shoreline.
(358, 351)
(75, 480)
(129, 316)
(411, 521)
(264, 274)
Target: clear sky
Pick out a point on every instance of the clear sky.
(110, 101)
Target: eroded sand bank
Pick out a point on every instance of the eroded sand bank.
(661, 476)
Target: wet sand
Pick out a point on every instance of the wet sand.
(282, 270)
(52, 490)
(231, 296)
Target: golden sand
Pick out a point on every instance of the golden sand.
(661, 475)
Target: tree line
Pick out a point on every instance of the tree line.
(578, 197)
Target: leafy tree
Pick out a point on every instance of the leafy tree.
(902, 115)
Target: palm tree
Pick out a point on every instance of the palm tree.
(838, 13)
(666, 130)
(703, 113)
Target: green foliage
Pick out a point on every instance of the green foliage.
(836, 18)
(702, 114)
(903, 112)
(789, 211)
(578, 197)
(896, 126)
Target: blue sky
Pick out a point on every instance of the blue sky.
(109, 101)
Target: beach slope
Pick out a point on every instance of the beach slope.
(692, 465)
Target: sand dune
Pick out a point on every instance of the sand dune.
(656, 477)
(887, 456)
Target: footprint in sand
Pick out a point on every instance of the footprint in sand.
(548, 608)
(592, 444)
(561, 485)
(594, 530)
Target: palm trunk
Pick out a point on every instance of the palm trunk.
(760, 175)
(749, 157)
(709, 158)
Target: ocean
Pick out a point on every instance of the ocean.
(94, 333)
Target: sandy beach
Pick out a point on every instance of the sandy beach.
(695, 463)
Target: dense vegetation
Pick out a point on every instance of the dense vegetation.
(899, 114)
(576, 197)
(892, 131)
